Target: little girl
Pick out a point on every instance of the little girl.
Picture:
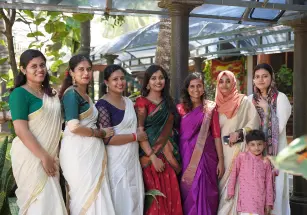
(254, 172)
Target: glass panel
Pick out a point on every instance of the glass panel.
(89, 3)
(146, 36)
(214, 10)
(260, 13)
(136, 4)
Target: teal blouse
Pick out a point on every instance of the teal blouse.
(73, 104)
(22, 103)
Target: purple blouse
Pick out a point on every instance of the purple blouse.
(108, 114)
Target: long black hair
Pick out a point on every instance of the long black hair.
(21, 78)
(73, 63)
(170, 104)
(185, 96)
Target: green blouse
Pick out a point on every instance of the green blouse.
(73, 104)
(22, 103)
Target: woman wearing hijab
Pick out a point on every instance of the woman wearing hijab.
(237, 115)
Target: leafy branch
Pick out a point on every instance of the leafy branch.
(9, 20)
(24, 20)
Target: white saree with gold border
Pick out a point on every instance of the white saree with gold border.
(124, 168)
(37, 193)
(84, 164)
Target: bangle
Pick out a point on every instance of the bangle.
(104, 133)
(134, 137)
(93, 133)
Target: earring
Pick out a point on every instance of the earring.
(148, 87)
(74, 81)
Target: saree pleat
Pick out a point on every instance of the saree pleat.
(124, 168)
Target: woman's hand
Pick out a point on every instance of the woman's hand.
(109, 132)
(220, 170)
(233, 138)
(141, 135)
(157, 163)
(49, 165)
(262, 103)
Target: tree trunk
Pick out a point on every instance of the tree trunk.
(9, 22)
(10, 46)
(163, 51)
(4, 68)
(85, 48)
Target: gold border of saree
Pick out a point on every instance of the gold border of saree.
(94, 194)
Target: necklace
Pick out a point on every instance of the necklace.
(38, 92)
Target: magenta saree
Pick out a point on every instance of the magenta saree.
(199, 182)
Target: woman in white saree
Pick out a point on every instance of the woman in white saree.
(123, 149)
(83, 156)
(236, 115)
(36, 114)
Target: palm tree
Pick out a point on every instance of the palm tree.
(163, 51)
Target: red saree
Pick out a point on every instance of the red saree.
(158, 124)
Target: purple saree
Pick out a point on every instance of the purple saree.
(199, 182)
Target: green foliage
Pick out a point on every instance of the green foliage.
(150, 196)
(3, 60)
(83, 17)
(62, 33)
(113, 20)
(35, 34)
(284, 80)
(55, 80)
(209, 81)
(7, 181)
(55, 66)
(3, 43)
(28, 13)
(39, 21)
(134, 95)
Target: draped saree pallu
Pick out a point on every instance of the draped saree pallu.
(84, 164)
(246, 118)
(158, 125)
(37, 193)
(199, 183)
(124, 168)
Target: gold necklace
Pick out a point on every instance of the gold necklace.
(37, 92)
